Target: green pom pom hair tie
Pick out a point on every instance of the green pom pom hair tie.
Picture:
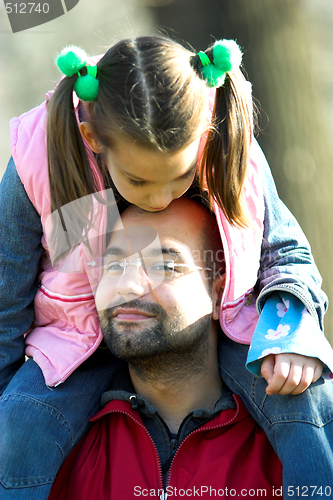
(205, 61)
(226, 56)
(72, 60)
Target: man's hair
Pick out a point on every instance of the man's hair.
(212, 249)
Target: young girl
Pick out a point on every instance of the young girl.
(143, 122)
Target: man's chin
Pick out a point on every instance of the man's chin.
(129, 340)
(124, 329)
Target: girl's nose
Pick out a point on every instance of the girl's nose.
(161, 198)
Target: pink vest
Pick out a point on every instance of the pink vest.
(66, 330)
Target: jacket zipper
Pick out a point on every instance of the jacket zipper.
(165, 496)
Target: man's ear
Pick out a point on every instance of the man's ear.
(89, 136)
(217, 292)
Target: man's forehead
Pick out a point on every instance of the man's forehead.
(181, 222)
(134, 239)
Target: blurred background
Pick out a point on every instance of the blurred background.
(288, 51)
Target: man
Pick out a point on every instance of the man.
(169, 426)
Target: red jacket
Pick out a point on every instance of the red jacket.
(118, 460)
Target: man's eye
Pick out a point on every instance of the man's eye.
(114, 267)
(162, 268)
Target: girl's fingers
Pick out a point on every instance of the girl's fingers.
(292, 373)
(280, 375)
(311, 371)
(267, 367)
(306, 379)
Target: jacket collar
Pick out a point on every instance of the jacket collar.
(122, 390)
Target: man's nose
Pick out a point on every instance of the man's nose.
(133, 282)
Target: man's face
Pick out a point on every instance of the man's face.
(140, 317)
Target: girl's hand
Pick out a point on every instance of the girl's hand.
(290, 373)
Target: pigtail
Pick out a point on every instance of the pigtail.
(70, 174)
(227, 152)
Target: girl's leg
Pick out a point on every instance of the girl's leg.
(40, 425)
(300, 428)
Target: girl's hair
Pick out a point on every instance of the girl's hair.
(226, 155)
(151, 91)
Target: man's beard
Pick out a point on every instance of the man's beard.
(167, 346)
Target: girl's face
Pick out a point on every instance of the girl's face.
(148, 178)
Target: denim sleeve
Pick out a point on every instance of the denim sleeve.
(285, 326)
(20, 252)
(286, 262)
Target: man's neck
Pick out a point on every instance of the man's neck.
(176, 393)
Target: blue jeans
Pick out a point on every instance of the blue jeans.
(39, 425)
(300, 428)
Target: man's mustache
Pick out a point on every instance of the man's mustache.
(147, 307)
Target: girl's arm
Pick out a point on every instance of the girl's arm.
(20, 252)
(287, 337)
(286, 260)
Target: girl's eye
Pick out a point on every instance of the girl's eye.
(189, 173)
(136, 183)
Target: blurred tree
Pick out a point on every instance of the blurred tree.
(284, 56)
